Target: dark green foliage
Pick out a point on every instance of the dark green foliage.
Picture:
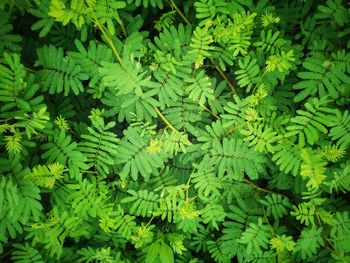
(174, 131)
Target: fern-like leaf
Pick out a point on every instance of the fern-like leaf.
(309, 242)
(322, 78)
(312, 168)
(132, 153)
(61, 149)
(308, 124)
(234, 157)
(340, 181)
(256, 237)
(144, 202)
(59, 73)
(276, 205)
(262, 136)
(26, 253)
(100, 146)
(47, 175)
(247, 75)
(200, 88)
(341, 128)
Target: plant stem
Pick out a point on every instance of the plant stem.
(6, 254)
(116, 53)
(108, 39)
(150, 221)
(233, 129)
(89, 172)
(172, 3)
(123, 28)
(258, 188)
(30, 70)
(211, 113)
(226, 79)
(168, 123)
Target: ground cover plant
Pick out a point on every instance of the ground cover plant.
(174, 131)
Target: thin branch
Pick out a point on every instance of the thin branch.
(258, 188)
(123, 28)
(211, 113)
(30, 70)
(168, 123)
(172, 3)
(89, 172)
(116, 53)
(6, 254)
(108, 39)
(226, 79)
(233, 129)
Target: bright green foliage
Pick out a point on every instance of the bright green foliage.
(124, 78)
(107, 13)
(160, 250)
(261, 136)
(90, 59)
(47, 175)
(288, 157)
(144, 203)
(333, 153)
(308, 243)
(200, 44)
(235, 158)
(283, 242)
(173, 142)
(312, 168)
(60, 148)
(209, 9)
(305, 213)
(134, 155)
(26, 253)
(340, 180)
(247, 75)
(174, 131)
(147, 3)
(165, 21)
(324, 78)
(66, 12)
(199, 88)
(205, 180)
(309, 124)
(99, 146)
(212, 214)
(341, 128)
(281, 62)
(270, 41)
(276, 205)
(256, 237)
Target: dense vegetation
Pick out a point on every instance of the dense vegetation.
(174, 131)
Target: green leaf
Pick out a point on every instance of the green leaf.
(133, 155)
(199, 88)
(256, 237)
(247, 75)
(309, 242)
(59, 73)
(153, 252)
(166, 254)
(235, 158)
(309, 123)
